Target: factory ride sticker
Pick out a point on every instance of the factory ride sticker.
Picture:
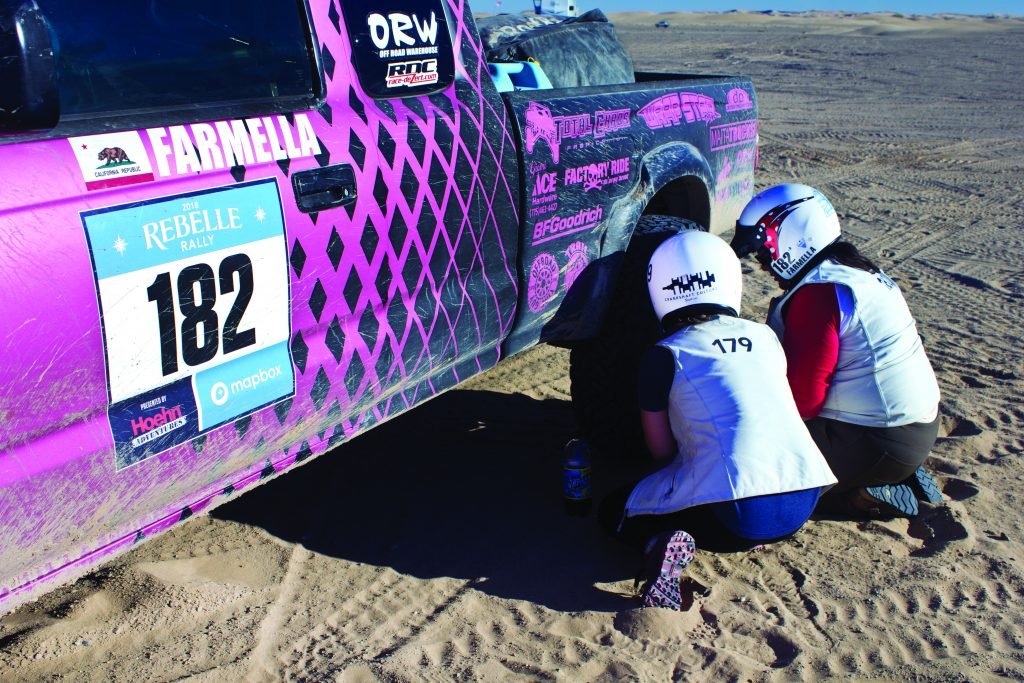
(194, 299)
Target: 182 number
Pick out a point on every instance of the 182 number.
(197, 287)
(733, 343)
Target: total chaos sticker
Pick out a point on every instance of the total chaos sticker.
(193, 293)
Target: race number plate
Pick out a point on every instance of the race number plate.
(193, 295)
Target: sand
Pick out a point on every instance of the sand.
(434, 548)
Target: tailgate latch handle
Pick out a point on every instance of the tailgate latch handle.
(324, 188)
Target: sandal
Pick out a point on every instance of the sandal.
(664, 561)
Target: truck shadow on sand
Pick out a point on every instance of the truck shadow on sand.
(467, 485)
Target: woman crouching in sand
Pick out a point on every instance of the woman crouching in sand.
(741, 468)
(857, 367)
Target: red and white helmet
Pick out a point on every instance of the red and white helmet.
(694, 270)
(785, 226)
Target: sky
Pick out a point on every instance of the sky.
(1013, 7)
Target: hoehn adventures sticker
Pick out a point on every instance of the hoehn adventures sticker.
(194, 297)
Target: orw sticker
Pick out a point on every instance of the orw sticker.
(193, 294)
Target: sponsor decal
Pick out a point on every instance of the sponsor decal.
(732, 134)
(738, 99)
(404, 51)
(740, 188)
(597, 175)
(145, 428)
(412, 73)
(606, 122)
(545, 183)
(111, 159)
(789, 267)
(577, 261)
(193, 294)
(117, 159)
(544, 206)
(559, 226)
(690, 282)
(674, 108)
(199, 147)
(725, 171)
(689, 285)
(542, 125)
(543, 282)
(575, 126)
(734, 178)
(401, 35)
(544, 195)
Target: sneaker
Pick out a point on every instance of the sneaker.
(889, 500)
(924, 486)
(666, 558)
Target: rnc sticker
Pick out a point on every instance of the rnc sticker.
(194, 294)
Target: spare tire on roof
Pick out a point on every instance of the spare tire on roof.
(572, 51)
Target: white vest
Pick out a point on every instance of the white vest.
(883, 377)
(734, 420)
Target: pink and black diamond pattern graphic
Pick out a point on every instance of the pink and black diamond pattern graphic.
(410, 289)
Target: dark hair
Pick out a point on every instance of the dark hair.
(840, 251)
(693, 315)
(846, 254)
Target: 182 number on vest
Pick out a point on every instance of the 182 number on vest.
(197, 288)
(731, 344)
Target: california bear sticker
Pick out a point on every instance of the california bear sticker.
(112, 159)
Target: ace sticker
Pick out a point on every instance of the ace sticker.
(194, 297)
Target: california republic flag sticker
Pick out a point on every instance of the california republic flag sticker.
(112, 159)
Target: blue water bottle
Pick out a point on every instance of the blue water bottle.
(576, 478)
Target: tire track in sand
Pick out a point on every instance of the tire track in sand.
(370, 626)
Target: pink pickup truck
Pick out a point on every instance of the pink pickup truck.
(234, 235)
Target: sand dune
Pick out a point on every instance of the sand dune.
(433, 547)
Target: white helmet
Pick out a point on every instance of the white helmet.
(694, 270)
(785, 226)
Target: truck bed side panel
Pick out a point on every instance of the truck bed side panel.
(592, 159)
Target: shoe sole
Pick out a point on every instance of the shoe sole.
(896, 499)
(925, 486)
(664, 590)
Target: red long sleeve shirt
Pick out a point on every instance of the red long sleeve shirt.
(811, 343)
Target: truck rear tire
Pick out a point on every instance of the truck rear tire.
(603, 370)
